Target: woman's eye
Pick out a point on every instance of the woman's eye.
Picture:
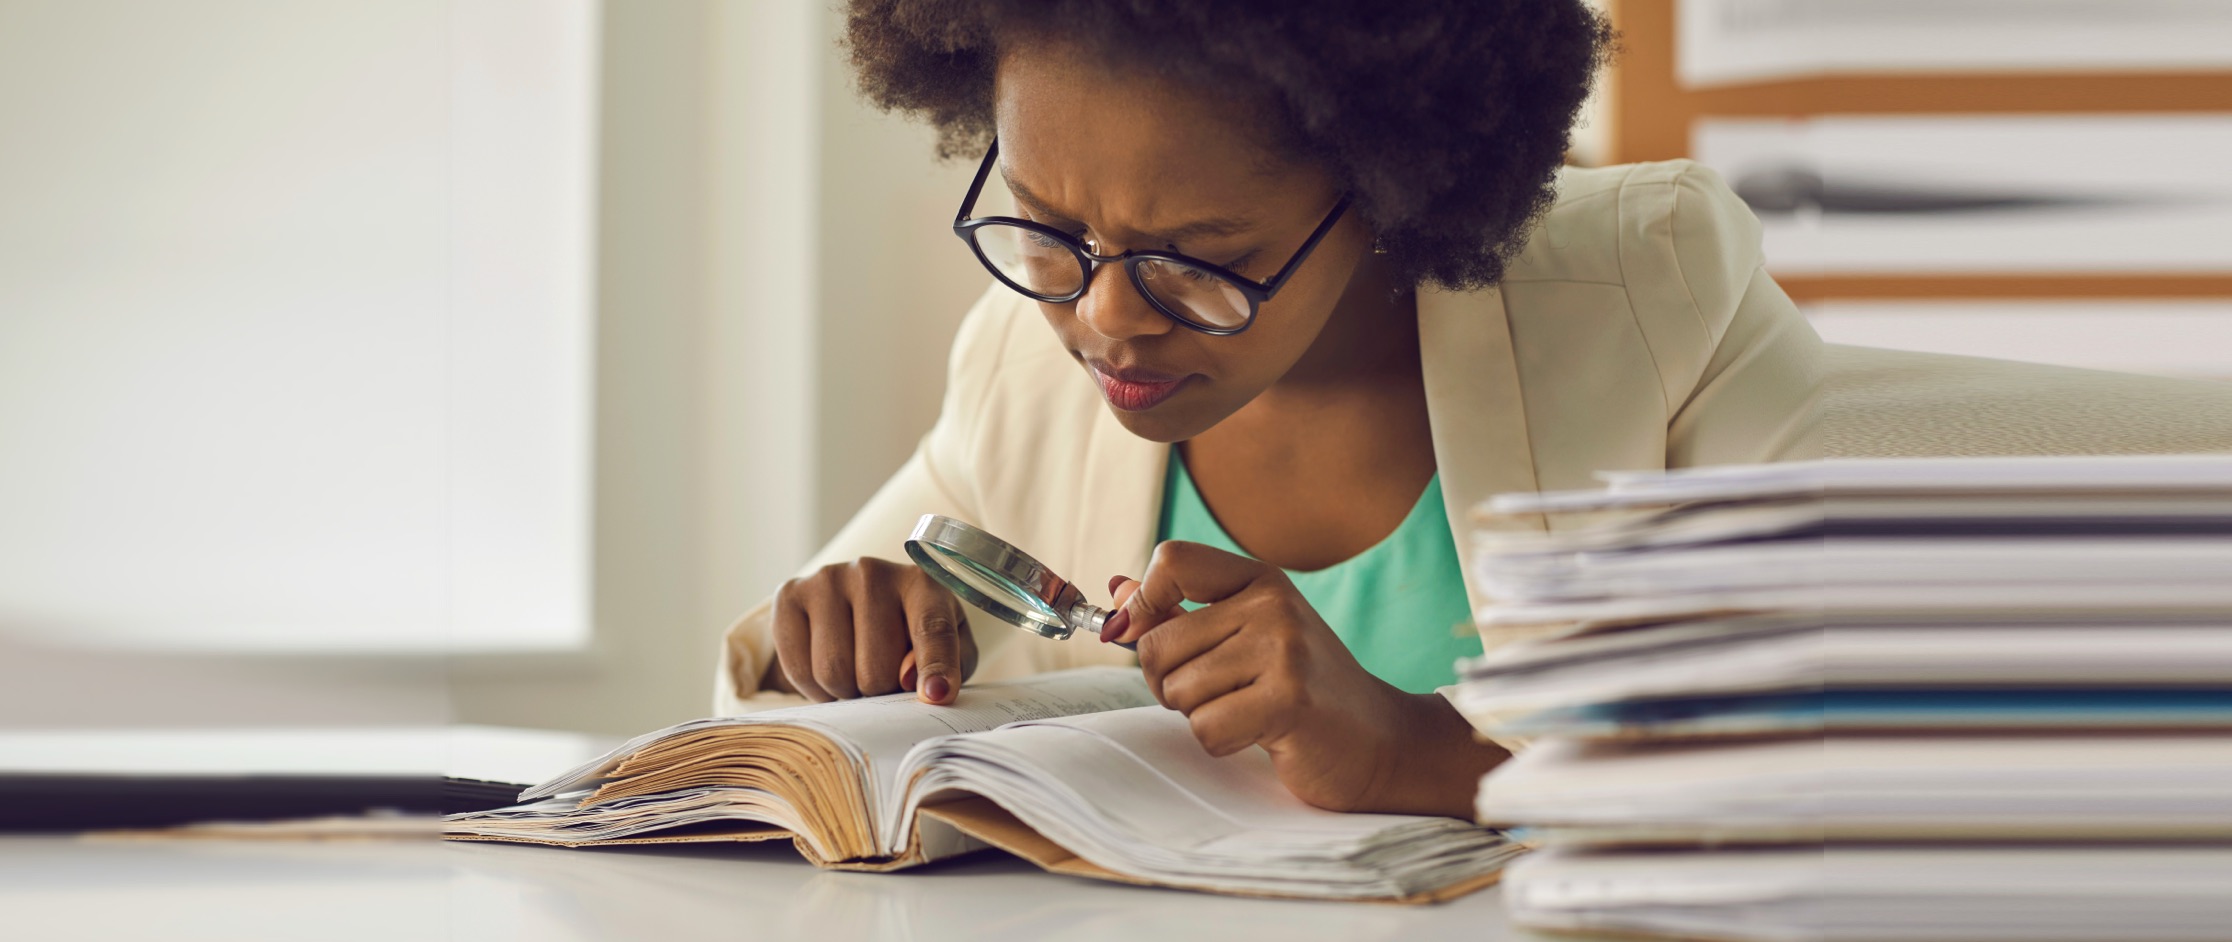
(1236, 266)
(1042, 240)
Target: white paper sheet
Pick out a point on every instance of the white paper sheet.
(1723, 42)
(1861, 787)
(1981, 193)
(2050, 893)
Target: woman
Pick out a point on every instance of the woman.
(1291, 287)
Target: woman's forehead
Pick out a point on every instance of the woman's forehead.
(1078, 137)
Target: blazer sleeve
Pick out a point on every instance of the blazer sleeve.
(1740, 365)
(938, 478)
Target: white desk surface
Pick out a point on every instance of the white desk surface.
(64, 888)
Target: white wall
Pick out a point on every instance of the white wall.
(780, 287)
(704, 350)
(894, 283)
(2191, 339)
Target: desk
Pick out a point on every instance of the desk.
(403, 890)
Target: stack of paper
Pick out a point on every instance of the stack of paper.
(1967, 699)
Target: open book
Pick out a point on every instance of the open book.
(1079, 771)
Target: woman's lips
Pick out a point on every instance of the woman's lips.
(1136, 390)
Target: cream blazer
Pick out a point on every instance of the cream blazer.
(1637, 330)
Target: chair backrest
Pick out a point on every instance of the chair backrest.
(1896, 403)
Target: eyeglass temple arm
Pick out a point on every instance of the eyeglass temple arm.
(984, 172)
(1307, 246)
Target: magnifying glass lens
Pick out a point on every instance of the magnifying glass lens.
(993, 585)
(1006, 583)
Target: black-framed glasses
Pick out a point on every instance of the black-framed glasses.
(1051, 265)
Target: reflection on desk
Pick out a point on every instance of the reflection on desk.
(389, 891)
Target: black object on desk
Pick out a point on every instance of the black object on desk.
(64, 802)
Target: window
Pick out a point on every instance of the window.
(296, 324)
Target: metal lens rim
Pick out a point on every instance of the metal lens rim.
(939, 543)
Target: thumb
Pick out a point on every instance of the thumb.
(1136, 613)
(1120, 615)
(1180, 572)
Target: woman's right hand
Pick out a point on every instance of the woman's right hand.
(843, 631)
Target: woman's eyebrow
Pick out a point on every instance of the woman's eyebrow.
(1198, 229)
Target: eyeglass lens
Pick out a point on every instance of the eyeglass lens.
(1193, 294)
(1043, 266)
(1032, 260)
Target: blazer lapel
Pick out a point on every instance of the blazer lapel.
(1475, 408)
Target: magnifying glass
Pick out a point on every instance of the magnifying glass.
(991, 574)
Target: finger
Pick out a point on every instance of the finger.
(832, 630)
(907, 672)
(794, 645)
(1237, 720)
(1221, 670)
(879, 636)
(1181, 640)
(1189, 572)
(931, 618)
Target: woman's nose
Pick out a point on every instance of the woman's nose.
(1113, 307)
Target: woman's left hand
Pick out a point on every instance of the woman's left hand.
(1257, 666)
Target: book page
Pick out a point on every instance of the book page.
(873, 734)
(1187, 794)
(1133, 792)
(877, 731)
(884, 728)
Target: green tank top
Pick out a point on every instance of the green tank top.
(1400, 606)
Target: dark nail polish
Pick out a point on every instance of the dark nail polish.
(937, 689)
(1113, 628)
(1113, 582)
